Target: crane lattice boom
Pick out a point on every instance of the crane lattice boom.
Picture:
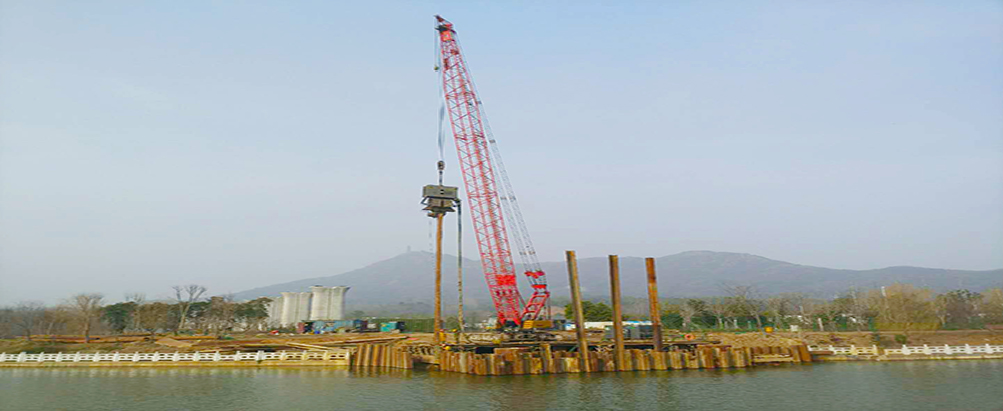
(481, 167)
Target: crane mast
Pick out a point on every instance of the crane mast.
(482, 171)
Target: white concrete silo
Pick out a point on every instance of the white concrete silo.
(336, 309)
(275, 312)
(320, 301)
(295, 308)
(286, 316)
(327, 303)
(301, 307)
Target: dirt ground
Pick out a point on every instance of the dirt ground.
(251, 342)
(887, 338)
(865, 338)
(275, 342)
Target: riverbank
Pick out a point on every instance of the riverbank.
(907, 353)
(898, 338)
(885, 339)
(709, 350)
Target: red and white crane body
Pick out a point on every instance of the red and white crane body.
(484, 178)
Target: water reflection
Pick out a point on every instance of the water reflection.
(844, 386)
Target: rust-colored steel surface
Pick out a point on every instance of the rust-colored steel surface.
(654, 310)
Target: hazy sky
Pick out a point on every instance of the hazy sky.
(240, 144)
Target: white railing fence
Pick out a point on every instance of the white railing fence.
(332, 355)
(851, 350)
(906, 350)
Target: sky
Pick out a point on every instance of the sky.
(241, 144)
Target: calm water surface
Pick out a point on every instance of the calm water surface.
(924, 385)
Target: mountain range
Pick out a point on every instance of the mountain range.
(408, 278)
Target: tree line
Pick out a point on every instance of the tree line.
(189, 311)
(896, 307)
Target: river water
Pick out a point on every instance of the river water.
(920, 385)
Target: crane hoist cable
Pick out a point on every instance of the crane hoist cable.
(440, 133)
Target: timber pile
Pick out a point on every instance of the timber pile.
(515, 362)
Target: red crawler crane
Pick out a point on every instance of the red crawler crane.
(477, 152)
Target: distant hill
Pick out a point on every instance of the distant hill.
(408, 278)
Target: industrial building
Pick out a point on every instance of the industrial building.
(320, 303)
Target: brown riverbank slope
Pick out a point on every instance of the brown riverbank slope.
(167, 343)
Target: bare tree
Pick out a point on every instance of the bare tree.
(779, 307)
(154, 316)
(745, 301)
(635, 307)
(957, 307)
(56, 319)
(803, 307)
(829, 312)
(718, 307)
(689, 309)
(6, 322)
(87, 308)
(28, 317)
(854, 304)
(186, 295)
(904, 307)
(992, 305)
(814, 311)
(942, 309)
(139, 299)
(221, 314)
